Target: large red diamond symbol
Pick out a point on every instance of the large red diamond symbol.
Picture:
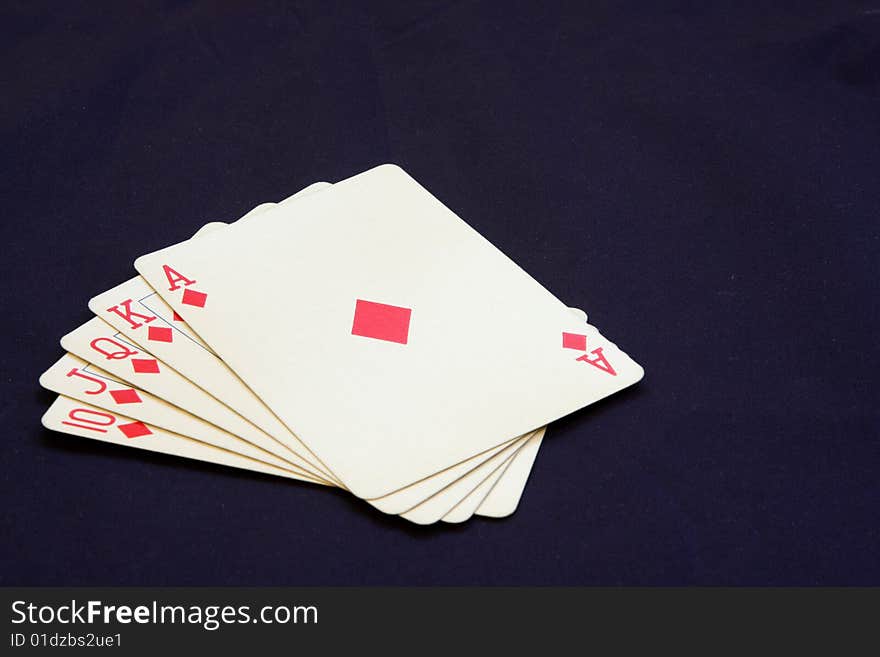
(194, 298)
(160, 334)
(135, 429)
(127, 396)
(381, 321)
(574, 341)
(145, 365)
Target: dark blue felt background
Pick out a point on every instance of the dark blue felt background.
(701, 177)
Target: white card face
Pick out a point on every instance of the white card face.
(405, 343)
(75, 378)
(79, 419)
(99, 343)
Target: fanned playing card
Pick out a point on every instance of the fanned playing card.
(358, 335)
(385, 332)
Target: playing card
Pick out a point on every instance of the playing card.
(75, 378)
(74, 417)
(415, 345)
